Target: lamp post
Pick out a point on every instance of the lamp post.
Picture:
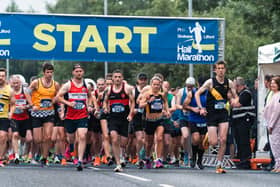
(105, 13)
(190, 15)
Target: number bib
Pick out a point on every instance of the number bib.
(201, 124)
(118, 108)
(45, 103)
(79, 105)
(220, 104)
(18, 111)
(1, 107)
(157, 105)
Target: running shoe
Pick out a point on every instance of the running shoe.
(63, 162)
(67, 154)
(2, 163)
(79, 166)
(110, 161)
(44, 162)
(220, 170)
(148, 163)
(140, 164)
(75, 161)
(193, 162)
(16, 160)
(11, 157)
(33, 161)
(123, 162)
(56, 160)
(97, 161)
(134, 160)
(118, 168)
(158, 164)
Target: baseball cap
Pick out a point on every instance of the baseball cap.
(190, 81)
(75, 66)
(142, 76)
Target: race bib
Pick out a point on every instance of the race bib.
(1, 107)
(140, 110)
(21, 102)
(79, 105)
(117, 108)
(157, 104)
(220, 104)
(18, 111)
(46, 103)
(201, 124)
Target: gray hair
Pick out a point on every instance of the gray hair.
(240, 81)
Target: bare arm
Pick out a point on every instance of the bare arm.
(206, 86)
(33, 86)
(60, 95)
(12, 104)
(178, 99)
(131, 102)
(106, 99)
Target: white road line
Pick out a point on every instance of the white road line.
(134, 177)
(166, 185)
(94, 168)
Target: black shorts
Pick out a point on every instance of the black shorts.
(167, 124)
(94, 124)
(118, 124)
(183, 123)
(176, 132)
(72, 125)
(201, 128)
(58, 122)
(39, 121)
(214, 118)
(21, 126)
(137, 124)
(4, 124)
(151, 126)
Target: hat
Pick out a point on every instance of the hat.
(190, 81)
(75, 66)
(142, 76)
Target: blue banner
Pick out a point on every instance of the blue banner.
(111, 39)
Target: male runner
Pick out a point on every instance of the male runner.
(79, 104)
(215, 111)
(119, 101)
(42, 92)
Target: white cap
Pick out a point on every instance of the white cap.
(190, 81)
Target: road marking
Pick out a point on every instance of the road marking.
(93, 168)
(5, 41)
(134, 177)
(166, 185)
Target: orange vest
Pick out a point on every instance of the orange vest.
(42, 97)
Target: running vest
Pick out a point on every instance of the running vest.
(20, 100)
(79, 96)
(100, 102)
(244, 111)
(5, 96)
(196, 117)
(156, 106)
(217, 96)
(119, 103)
(42, 97)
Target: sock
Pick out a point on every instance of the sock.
(219, 163)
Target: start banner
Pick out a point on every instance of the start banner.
(109, 38)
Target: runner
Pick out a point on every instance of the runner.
(137, 122)
(156, 107)
(119, 101)
(183, 115)
(20, 124)
(215, 111)
(79, 104)
(7, 102)
(41, 97)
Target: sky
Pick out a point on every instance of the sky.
(24, 5)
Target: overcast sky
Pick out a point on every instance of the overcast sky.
(24, 5)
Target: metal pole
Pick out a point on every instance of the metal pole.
(105, 13)
(190, 15)
(8, 67)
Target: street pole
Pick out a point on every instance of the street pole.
(190, 15)
(105, 13)
(8, 67)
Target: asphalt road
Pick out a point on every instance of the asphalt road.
(52, 176)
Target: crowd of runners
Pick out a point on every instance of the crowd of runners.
(148, 124)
